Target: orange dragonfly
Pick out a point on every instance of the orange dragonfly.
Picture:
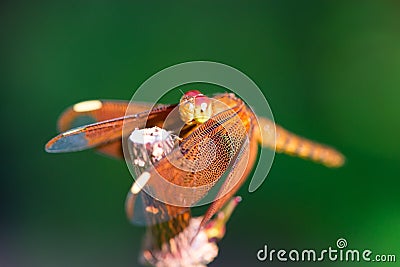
(224, 119)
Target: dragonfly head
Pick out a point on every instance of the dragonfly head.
(195, 107)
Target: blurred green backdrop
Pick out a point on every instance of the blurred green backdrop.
(330, 71)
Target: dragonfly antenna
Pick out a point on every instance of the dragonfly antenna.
(181, 91)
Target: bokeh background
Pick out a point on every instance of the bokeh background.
(329, 69)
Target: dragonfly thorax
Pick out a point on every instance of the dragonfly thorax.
(194, 107)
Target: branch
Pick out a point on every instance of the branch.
(178, 241)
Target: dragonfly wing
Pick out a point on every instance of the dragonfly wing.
(184, 176)
(113, 149)
(241, 168)
(106, 132)
(92, 111)
(142, 209)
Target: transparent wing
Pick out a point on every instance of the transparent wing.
(189, 172)
(93, 111)
(105, 132)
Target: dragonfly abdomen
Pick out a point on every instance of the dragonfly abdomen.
(293, 144)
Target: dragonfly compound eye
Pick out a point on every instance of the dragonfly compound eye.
(195, 107)
(186, 110)
(202, 108)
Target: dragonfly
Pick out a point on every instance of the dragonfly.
(232, 126)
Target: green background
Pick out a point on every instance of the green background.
(329, 69)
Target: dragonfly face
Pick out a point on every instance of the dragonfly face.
(195, 107)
